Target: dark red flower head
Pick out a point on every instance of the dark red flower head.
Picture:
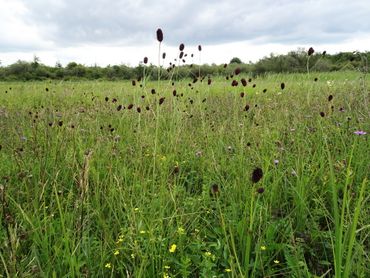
(145, 60)
(257, 175)
(181, 47)
(159, 35)
(310, 51)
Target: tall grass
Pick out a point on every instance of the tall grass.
(90, 190)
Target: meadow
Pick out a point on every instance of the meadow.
(191, 178)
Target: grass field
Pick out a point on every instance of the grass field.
(207, 183)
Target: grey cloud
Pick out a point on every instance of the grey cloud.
(130, 22)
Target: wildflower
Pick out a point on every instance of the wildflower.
(276, 261)
(167, 267)
(159, 35)
(199, 48)
(181, 47)
(142, 232)
(360, 132)
(181, 230)
(145, 60)
(215, 190)
(116, 253)
(263, 248)
(132, 255)
(173, 248)
(260, 190)
(227, 270)
(136, 209)
(257, 174)
(120, 239)
(108, 265)
(310, 51)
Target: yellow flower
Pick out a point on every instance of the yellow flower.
(173, 248)
(120, 239)
(263, 247)
(108, 265)
(136, 209)
(181, 231)
(167, 267)
(142, 232)
(116, 253)
(227, 270)
(276, 261)
(208, 254)
(133, 256)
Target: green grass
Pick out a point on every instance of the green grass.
(87, 190)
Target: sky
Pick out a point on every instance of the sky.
(115, 32)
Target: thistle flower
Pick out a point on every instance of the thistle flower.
(145, 60)
(181, 47)
(237, 71)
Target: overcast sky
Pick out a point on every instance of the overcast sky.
(123, 31)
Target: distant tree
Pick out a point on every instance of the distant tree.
(235, 60)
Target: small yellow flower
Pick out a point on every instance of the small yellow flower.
(227, 270)
(263, 248)
(276, 261)
(120, 239)
(173, 248)
(181, 231)
(165, 275)
(167, 267)
(208, 254)
(142, 232)
(196, 230)
(116, 253)
(136, 209)
(108, 265)
(132, 256)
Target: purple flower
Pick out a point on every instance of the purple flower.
(360, 132)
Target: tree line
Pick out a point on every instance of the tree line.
(295, 61)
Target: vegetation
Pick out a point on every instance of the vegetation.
(209, 180)
(293, 62)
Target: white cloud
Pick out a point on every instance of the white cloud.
(110, 32)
